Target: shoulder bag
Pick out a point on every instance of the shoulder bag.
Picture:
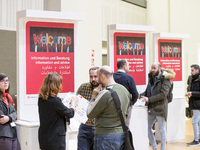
(128, 142)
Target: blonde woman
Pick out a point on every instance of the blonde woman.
(53, 114)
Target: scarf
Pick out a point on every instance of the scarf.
(5, 96)
(194, 77)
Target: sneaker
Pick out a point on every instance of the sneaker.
(194, 143)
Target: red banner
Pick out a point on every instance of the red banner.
(131, 46)
(170, 56)
(49, 48)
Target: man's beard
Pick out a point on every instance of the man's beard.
(194, 77)
(94, 84)
(156, 74)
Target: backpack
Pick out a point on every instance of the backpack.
(170, 94)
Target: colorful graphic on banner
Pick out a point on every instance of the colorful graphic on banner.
(49, 48)
(131, 46)
(170, 56)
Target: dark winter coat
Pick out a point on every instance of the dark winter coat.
(194, 87)
(52, 130)
(158, 103)
(128, 82)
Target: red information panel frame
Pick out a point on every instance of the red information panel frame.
(170, 56)
(49, 48)
(132, 47)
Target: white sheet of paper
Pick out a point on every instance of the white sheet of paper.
(139, 103)
(80, 108)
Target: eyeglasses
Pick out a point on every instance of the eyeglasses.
(4, 81)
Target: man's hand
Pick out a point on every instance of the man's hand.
(4, 119)
(96, 91)
(188, 94)
(144, 99)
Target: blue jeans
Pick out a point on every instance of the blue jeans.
(162, 128)
(109, 142)
(85, 137)
(196, 124)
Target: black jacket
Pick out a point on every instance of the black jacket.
(194, 87)
(128, 82)
(52, 130)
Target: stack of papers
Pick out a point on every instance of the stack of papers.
(80, 108)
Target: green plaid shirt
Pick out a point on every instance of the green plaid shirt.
(85, 90)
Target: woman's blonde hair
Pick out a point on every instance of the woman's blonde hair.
(52, 85)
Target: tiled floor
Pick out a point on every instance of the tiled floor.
(181, 145)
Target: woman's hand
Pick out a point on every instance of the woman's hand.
(74, 101)
(4, 119)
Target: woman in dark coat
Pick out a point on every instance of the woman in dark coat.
(53, 114)
(8, 133)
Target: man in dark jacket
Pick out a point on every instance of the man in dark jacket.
(155, 96)
(194, 103)
(189, 110)
(121, 77)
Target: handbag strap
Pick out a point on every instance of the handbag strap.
(118, 106)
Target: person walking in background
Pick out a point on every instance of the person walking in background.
(194, 103)
(53, 114)
(155, 96)
(8, 132)
(102, 108)
(121, 77)
(189, 110)
(86, 131)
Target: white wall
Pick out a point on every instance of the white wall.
(52, 5)
(93, 31)
(178, 16)
(184, 16)
(8, 9)
(89, 34)
(120, 12)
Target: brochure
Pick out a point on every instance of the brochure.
(80, 108)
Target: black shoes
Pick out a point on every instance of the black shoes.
(194, 143)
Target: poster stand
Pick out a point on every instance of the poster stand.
(169, 51)
(38, 42)
(131, 42)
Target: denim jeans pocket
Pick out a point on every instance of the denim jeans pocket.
(109, 142)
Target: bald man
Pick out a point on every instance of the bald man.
(156, 98)
(102, 108)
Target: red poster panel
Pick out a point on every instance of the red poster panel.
(131, 46)
(49, 48)
(170, 56)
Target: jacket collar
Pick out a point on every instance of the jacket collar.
(120, 70)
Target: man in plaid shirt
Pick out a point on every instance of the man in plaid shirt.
(86, 131)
